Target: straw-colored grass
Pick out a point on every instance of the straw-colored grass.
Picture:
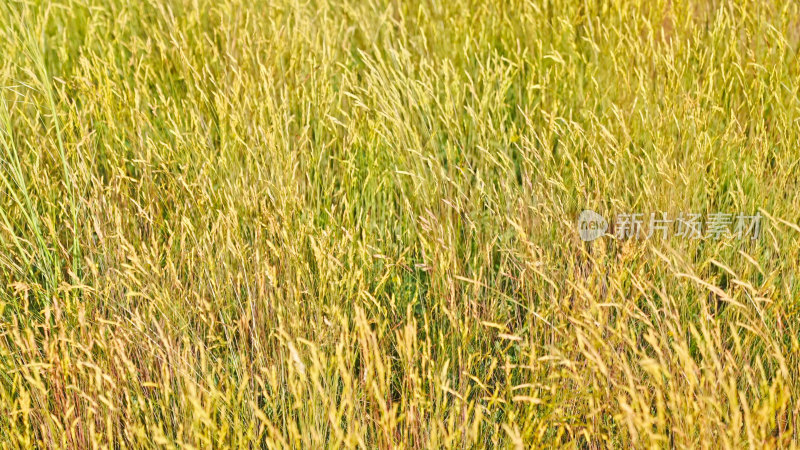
(352, 223)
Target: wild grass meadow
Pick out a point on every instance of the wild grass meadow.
(354, 224)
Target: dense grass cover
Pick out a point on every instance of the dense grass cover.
(352, 223)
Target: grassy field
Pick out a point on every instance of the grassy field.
(354, 223)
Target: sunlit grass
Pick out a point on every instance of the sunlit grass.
(344, 223)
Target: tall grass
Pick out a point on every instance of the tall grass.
(342, 223)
